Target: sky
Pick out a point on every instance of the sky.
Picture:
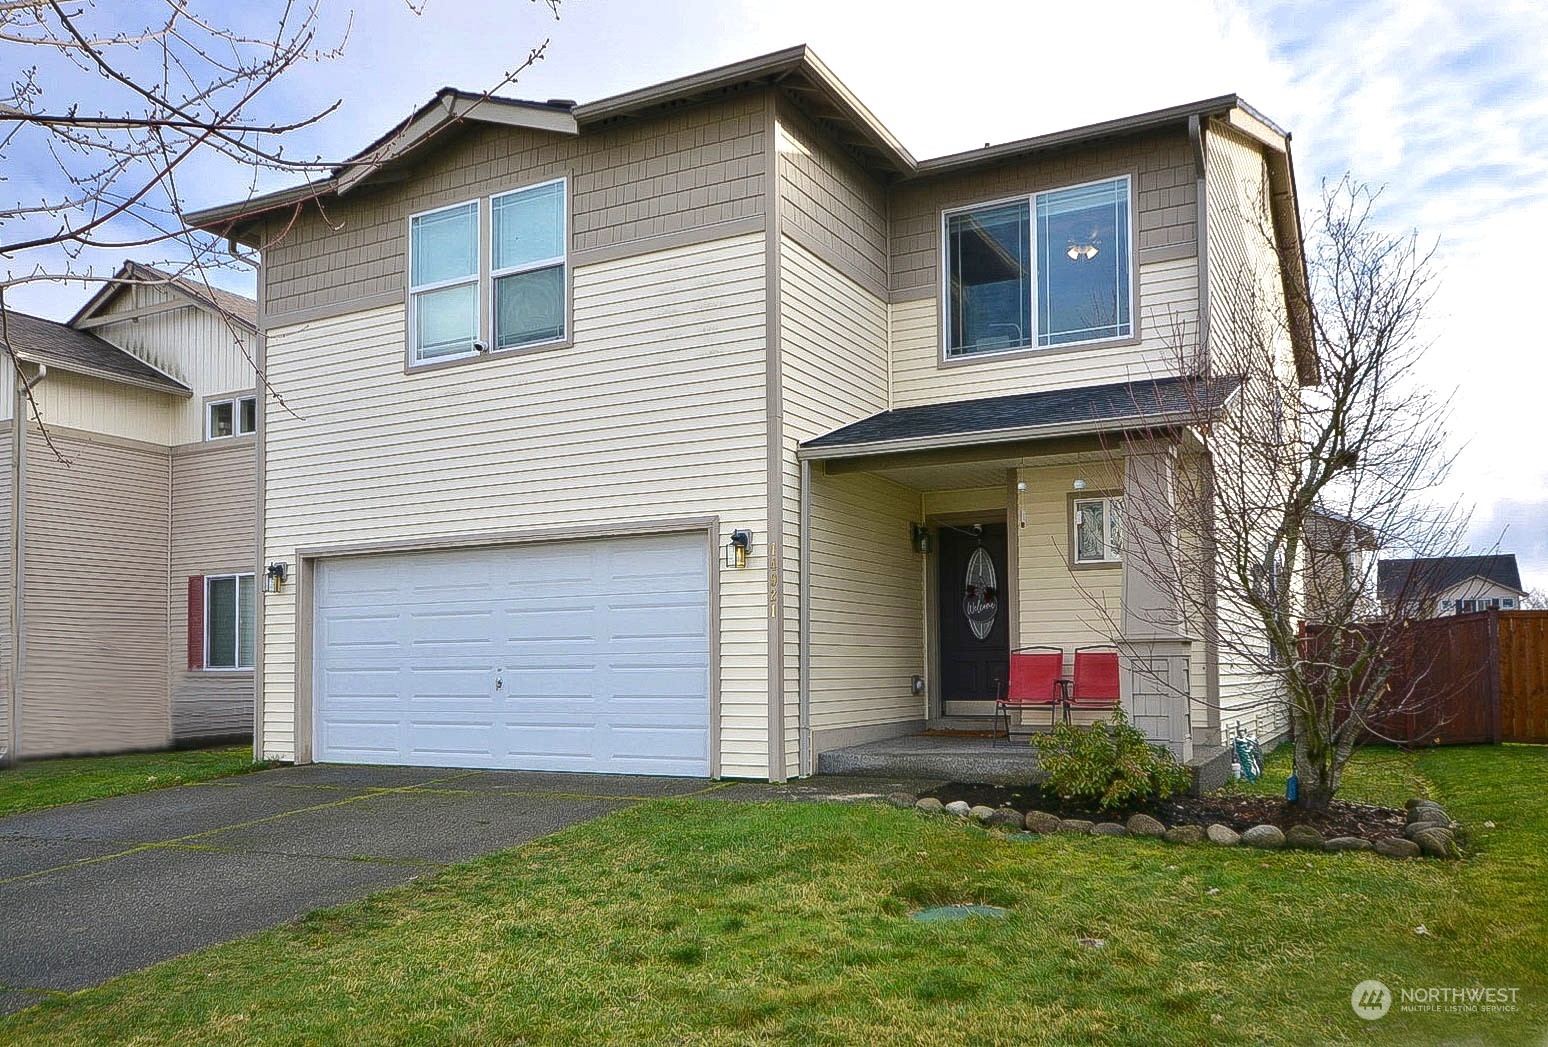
(1445, 105)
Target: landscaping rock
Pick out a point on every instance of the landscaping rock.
(960, 808)
(1145, 825)
(1413, 829)
(1438, 843)
(1108, 829)
(1265, 837)
(1185, 834)
(902, 801)
(1304, 838)
(1426, 811)
(1349, 843)
(1393, 847)
(929, 805)
(1223, 835)
(981, 814)
(1004, 816)
(1078, 826)
(1042, 822)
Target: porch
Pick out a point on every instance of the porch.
(931, 554)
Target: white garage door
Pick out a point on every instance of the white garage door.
(574, 656)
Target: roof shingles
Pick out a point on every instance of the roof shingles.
(52, 344)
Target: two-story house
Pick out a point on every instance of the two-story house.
(702, 429)
(126, 520)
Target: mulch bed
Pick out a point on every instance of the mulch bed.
(1238, 812)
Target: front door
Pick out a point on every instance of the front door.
(974, 630)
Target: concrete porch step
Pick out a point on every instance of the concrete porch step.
(953, 758)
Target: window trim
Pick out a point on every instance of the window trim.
(1077, 564)
(235, 400)
(484, 296)
(944, 357)
(238, 668)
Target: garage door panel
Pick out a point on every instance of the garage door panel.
(587, 656)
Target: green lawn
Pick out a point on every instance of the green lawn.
(48, 783)
(705, 922)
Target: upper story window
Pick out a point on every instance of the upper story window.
(523, 274)
(1046, 270)
(235, 417)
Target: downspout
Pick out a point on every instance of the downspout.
(18, 548)
(803, 626)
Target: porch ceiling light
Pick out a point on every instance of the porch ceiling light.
(1080, 485)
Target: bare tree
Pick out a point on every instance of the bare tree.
(107, 110)
(1279, 498)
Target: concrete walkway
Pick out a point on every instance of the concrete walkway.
(92, 890)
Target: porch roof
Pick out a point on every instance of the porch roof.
(1085, 410)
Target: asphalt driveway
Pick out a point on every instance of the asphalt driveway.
(92, 890)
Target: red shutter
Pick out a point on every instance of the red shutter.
(196, 622)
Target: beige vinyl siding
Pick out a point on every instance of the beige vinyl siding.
(95, 598)
(7, 584)
(833, 344)
(829, 201)
(971, 500)
(212, 533)
(1057, 605)
(657, 412)
(1246, 301)
(688, 170)
(195, 345)
(1168, 310)
(71, 401)
(867, 603)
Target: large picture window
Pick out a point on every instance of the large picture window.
(228, 621)
(1075, 286)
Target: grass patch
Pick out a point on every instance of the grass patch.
(36, 784)
(1378, 774)
(703, 922)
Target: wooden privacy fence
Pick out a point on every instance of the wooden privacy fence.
(1463, 680)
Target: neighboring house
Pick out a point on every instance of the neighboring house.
(611, 427)
(126, 569)
(1338, 552)
(1440, 585)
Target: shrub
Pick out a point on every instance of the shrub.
(1109, 764)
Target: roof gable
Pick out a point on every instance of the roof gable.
(1432, 575)
(34, 340)
(236, 307)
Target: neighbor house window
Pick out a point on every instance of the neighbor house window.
(528, 265)
(1493, 603)
(1098, 529)
(235, 417)
(443, 282)
(228, 621)
(1050, 269)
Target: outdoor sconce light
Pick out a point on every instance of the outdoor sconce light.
(917, 685)
(274, 577)
(736, 549)
(920, 537)
(1080, 485)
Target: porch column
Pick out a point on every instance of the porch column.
(1154, 685)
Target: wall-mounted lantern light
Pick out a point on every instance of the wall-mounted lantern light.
(920, 536)
(737, 548)
(274, 577)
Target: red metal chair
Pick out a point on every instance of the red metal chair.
(1096, 679)
(1035, 680)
